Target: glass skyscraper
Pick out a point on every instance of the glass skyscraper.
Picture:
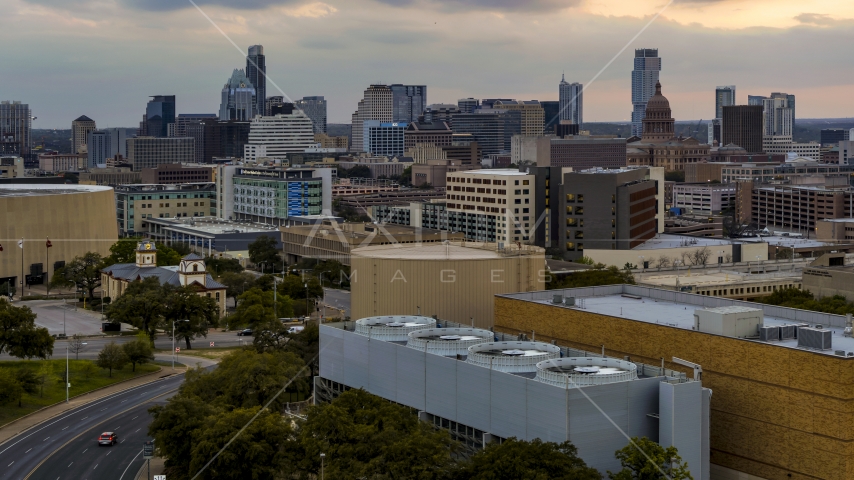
(256, 72)
(724, 97)
(159, 114)
(644, 77)
(571, 102)
(408, 102)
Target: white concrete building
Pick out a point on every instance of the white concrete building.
(703, 199)
(276, 136)
(783, 144)
(376, 105)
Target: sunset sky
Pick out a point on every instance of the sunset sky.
(103, 58)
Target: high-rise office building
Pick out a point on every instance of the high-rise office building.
(533, 114)
(80, 129)
(376, 104)
(106, 143)
(408, 102)
(184, 120)
(493, 129)
(276, 136)
(149, 152)
(779, 113)
(271, 102)
(724, 97)
(571, 103)
(238, 98)
(468, 105)
(315, 109)
(256, 72)
(647, 67)
(384, 138)
(219, 139)
(551, 110)
(832, 136)
(15, 126)
(741, 125)
(159, 114)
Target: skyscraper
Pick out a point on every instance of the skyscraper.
(408, 102)
(551, 114)
(724, 97)
(238, 99)
(468, 105)
(159, 114)
(104, 144)
(571, 106)
(315, 109)
(742, 125)
(256, 72)
(779, 112)
(376, 104)
(80, 129)
(277, 136)
(644, 77)
(15, 125)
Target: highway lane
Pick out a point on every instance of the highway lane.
(84, 459)
(21, 454)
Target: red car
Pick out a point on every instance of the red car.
(108, 438)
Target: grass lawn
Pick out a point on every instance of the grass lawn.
(84, 378)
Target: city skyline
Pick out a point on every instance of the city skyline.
(188, 55)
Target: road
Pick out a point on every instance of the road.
(339, 299)
(65, 447)
(51, 313)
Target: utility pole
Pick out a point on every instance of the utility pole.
(67, 380)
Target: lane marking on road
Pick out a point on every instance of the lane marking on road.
(103, 409)
(45, 439)
(7, 466)
(96, 466)
(28, 450)
(70, 464)
(65, 427)
(84, 418)
(138, 429)
(84, 451)
(108, 453)
(129, 464)
(134, 418)
(123, 440)
(123, 401)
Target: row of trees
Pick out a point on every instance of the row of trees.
(19, 335)
(598, 275)
(360, 435)
(805, 300)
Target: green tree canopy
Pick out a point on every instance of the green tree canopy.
(112, 357)
(141, 305)
(513, 459)
(599, 275)
(19, 335)
(294, 287)
(123, 251)
(255, 308)
(221, 265)
(643, 459)
(265, 251)
(139, 350)
(168, 256)
(84, 272)
(184, 303)
(804, 300)
(174, 425)
(236, 283)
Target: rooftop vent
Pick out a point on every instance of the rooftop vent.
(392, 328)
(448, 342)
(579, 371)
(814, 338)
(513, 357)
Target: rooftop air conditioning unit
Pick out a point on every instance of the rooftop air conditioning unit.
(569, 301)
(769, 334)
(580, 371)
(448, 342)
(512, 357)
(557, 299)
(814, 338)
(392, 328)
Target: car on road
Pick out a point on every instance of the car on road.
(108, 438)
(295, 329)
(245, 331)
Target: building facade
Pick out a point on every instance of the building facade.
(80, 129)
(61, 162)
(647, 66)
(832, 136)
(238, 98)
(314, 107)
(191, 273)
(571, 101)
(408, 102)
(273, 195)
(798, 208)
(493, 129)
(533, 115)
(172, 174)
(384, 138)
(703, 198)
(15, 130)
(468, 105)
(276, 136)
(12, 167)
(434, 133)
(581, 152)
(149, 152)
(741, 125)
(159, 114)
(256, 73)
(106, 143)
(137, 203)
(724, 97)
(376, 104)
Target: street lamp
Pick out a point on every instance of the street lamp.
(173, 340)
(306, 301)
(322, 456)
(721, 261)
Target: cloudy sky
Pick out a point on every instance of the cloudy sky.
(102, 58)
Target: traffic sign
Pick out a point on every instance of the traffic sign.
(212, 344)
(148, 450)
(177, 349)
(160, 477)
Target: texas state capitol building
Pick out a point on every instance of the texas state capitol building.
(191, 272)
(76, 218)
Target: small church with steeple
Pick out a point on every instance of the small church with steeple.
(191, 272)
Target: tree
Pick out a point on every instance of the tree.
(643, 459)
(44, 373)
(585, 260)
(405, 178)
(700, 256)
(112, 357)
(123, 251)
(141, 305)
(664, 261)
(76, 345)
(674, 176)
(265, 282)
(84, 272)
(168, 256)
(19, 335)
(294, 287)
(598, 275)
(88, 370)
(517, 459)
(184, 303)
(733, 228)
(333, 271)
(255, 309)
(221, 265)
(366, 436)
(138, 351)
(12, 390)
(265, 251)
(173, 425)
(236, 283)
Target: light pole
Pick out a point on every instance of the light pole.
(721, 262)
(306, 301)
(322, 456)
(67, 383)
(173, 340)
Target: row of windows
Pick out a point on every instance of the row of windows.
(166, 205)
(747, 290)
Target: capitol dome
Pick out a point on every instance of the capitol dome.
(658, 101)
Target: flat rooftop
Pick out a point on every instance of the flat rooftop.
(213, 227)
(667, 240)
(490, 171)
(36, 189)
(724, 277)
(444, 251)
(676, 310)
(781, 241)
